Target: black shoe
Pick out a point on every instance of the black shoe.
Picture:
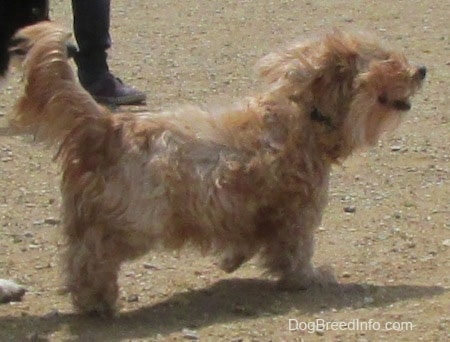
(110, 90)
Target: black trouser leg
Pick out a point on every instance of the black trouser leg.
(91, 27)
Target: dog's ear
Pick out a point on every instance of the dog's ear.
(343, 46)
(24, 39)
(302, 63)
(296, 64)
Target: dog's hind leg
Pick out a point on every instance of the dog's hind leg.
(92, 267)
(233, 259)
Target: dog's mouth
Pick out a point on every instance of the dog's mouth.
(401, 105)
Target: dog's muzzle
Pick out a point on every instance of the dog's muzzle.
(72, 50)
(421, 72)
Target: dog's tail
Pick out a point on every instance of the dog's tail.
(53, 102)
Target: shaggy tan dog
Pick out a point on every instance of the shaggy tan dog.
(251, 179)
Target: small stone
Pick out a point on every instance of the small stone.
(10, 291)
(350, 209)
(133, 298)
(52, 314)
(53, 221)
(382, 236)
(42, 267)
(242, 310)
(346, 275)
(411, 244)
(190, 335)
(319, 332)
(446, 242)
(149, 266)
(368, 300)
(397, 215)
(17, 239)
(396, 148)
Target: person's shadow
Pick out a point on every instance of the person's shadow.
(223, 302)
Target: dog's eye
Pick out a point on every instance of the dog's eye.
(14, 45)
(382, 99)
(401, 105)
(396, 104)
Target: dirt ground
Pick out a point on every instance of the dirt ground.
(391, 255)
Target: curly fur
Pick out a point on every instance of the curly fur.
(251, 179)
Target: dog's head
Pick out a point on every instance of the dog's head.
(350, 83)
(42, 33)
(15, 14)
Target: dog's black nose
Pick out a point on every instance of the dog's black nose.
(422, 72)
(72, 50)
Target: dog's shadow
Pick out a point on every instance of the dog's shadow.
(224, 302)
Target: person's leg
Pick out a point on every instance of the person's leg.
(91, 27)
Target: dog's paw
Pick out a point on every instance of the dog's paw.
(322, 276)
(101, 308)
(231, 263)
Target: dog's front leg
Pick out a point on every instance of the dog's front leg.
(289, 255)
(301, 273)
